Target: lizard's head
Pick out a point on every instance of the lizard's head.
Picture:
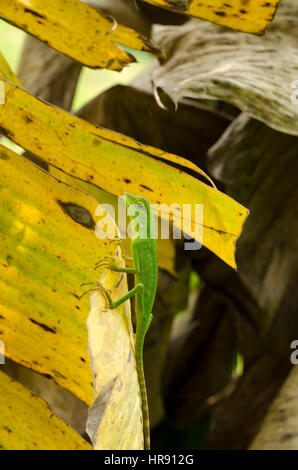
(140, 214)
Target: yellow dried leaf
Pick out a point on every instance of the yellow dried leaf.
(28, 423)
(115, 418)
(118, 163)
(76, 30)
(251, 16)
(48, 249)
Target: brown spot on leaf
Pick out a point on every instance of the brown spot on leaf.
(146, 187)
(43, 326)
(78, 213)
(34, 13)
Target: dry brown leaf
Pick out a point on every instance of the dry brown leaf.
(252, 73)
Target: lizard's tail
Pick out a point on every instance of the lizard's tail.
(145, 411)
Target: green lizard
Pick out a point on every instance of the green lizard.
(145, 270)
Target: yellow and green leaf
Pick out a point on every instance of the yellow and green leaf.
(76, 30)
(251, 16)
(117, 163)
(48, 249)
(28, 423)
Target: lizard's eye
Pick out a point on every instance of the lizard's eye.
(141, 206)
